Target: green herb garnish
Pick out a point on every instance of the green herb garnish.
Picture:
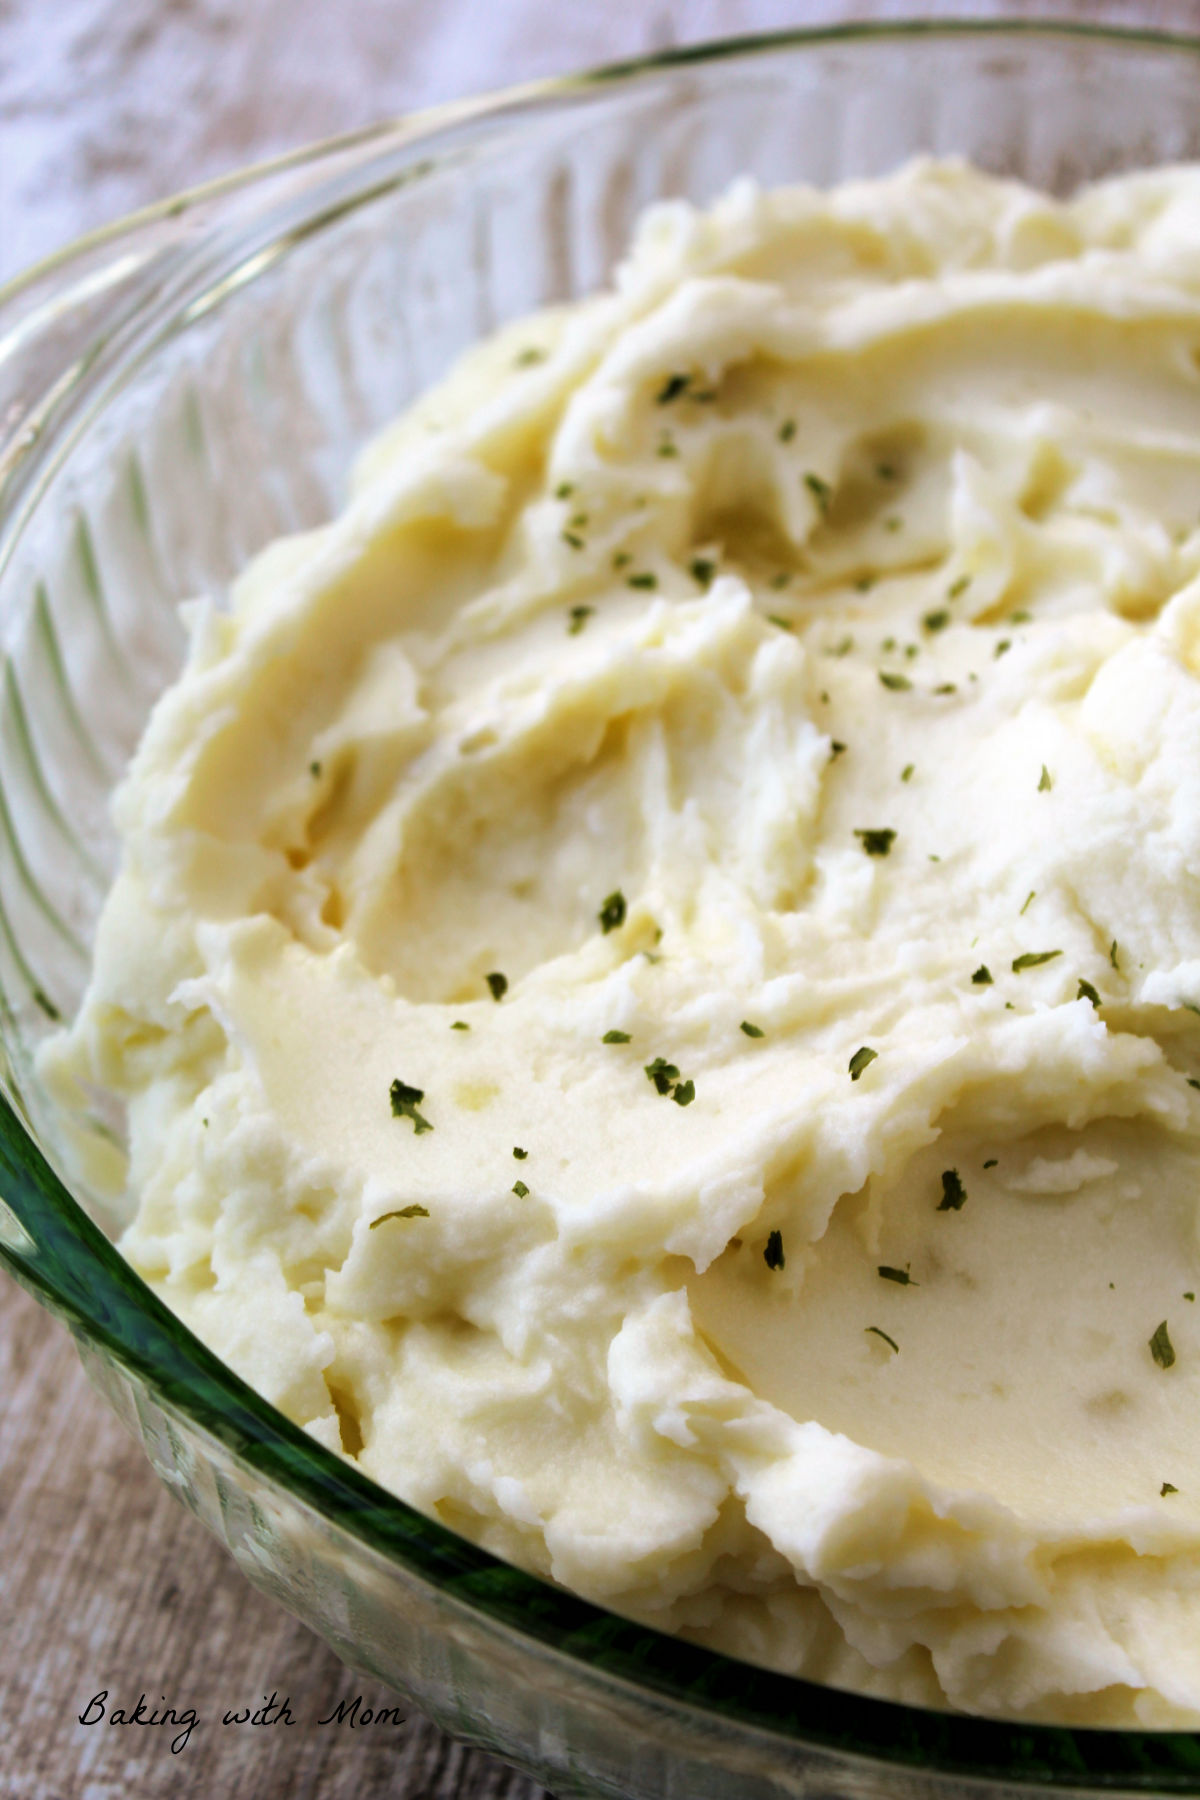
(953, 1191)
(685, 1093)
(46, 1004)
(573, 538)
(702, 570)
(519, 1189)
(663, 1074)
(519, 1153)
(314, 769)
(405, 1101)
(876, 843)
(564, 490)
(1044, 781)
(887, 1273)
(460, 1025)
(1030, 896)
(947, 687)
(883, 1334)
(1088, 992)
(672, 388)
(773, 1254)
(982, 976)
(612, 912)
(1161, 1347)
(836, 749)
(1002, 649)
(1168, 1487)
(751, 1030)
(958, 587)
(860, 1060)
(525, 359)
(906, 773)
(646, 580)
(622, 559)
(1112, 955)
(898, 683)
(615, 1037)
(820, 490)
(1032, 959)
(887, 472)
(402, 1212)
(579, 618)
(991, 1162)
(936, 620)
(497, 983)
(783, 624)
(787, 431)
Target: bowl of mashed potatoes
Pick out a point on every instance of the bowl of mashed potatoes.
(600, 926)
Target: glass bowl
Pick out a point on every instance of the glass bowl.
(185, 386)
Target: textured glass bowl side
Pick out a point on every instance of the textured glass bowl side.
(181, 397)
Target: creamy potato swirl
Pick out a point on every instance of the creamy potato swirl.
(655, 965)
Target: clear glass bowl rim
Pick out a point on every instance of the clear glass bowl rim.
(51, 1247)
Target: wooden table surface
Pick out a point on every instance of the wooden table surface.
(105, 1582)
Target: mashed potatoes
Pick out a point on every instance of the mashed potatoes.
(655, 964)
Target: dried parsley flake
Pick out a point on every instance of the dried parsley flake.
(1161, 1347)
(405, 1101)
(662, 1073)
(672, 388)
(820, 490)
(612, 912)
(401, 1212)
(1032, 959)
(953, 1192)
